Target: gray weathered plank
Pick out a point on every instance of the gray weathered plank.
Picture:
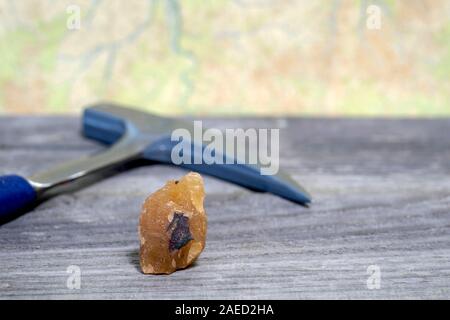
(381, 197)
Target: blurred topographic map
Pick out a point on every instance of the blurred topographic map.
(263, 57)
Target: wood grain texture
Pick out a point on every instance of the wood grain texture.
(381, 192)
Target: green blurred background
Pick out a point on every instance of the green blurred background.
(258, 57)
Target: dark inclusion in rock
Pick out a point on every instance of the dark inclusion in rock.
(180, 233)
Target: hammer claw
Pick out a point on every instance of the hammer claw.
(246, 175)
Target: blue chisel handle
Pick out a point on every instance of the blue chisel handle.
(16, 195)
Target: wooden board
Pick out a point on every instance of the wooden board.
(381, 193)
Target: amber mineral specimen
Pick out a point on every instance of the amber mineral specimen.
(172, 226)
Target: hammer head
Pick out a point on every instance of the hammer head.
(108, 123)
(150, 136)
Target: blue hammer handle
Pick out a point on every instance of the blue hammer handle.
(16, 195)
